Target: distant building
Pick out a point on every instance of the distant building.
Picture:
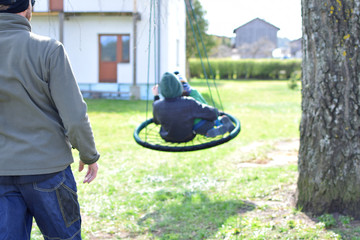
(283, 49)
(295, 48)
(256, 39)
(281, 53)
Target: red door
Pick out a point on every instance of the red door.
(108, 58)
(114, 49)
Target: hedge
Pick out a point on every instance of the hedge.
(246, 68)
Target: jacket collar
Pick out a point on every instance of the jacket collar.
(172, 99)
(11, 21)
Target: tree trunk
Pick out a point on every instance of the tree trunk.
(329, 155)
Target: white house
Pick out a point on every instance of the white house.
(108, 41)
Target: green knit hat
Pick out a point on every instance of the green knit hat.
(170, 86)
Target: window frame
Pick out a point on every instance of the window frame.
(119, 47)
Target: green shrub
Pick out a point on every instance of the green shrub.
(246, 68)
(328, 220)
(345, 220)
(293, 81)
(195, 69)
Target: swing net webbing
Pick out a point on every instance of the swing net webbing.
(147, 133)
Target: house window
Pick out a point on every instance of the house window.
(113, 49)
(125, 41)
(108, 48)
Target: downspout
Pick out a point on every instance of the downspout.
(134, 41)
(135, 89)
(157, 80)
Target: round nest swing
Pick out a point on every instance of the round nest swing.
(147, 134)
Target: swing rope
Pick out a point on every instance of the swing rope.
(198, 49)
(205, 52)
(152, 5)
(151, 136)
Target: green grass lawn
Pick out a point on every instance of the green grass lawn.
(146, 194)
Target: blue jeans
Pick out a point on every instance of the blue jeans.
(53, 203)
(203, 126)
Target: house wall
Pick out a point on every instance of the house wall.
(144, 62)
(46, 26)
(172, 23)
(82, 45)
(98, 6)
(81, 41)
(176, 36)
(81, 36)
(89, 5)
(41, 6)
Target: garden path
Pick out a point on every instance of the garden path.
(282, 152)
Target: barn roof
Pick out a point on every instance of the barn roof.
(257, 19)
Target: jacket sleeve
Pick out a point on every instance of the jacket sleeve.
(155, 119)
(72, 108)
(204, 111)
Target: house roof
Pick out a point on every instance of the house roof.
(296, 40)
(257, 19)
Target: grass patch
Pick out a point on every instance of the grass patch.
(145, 194)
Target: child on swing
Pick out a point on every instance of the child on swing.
(176, 113)
(192, 92)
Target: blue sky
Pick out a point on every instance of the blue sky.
(225, 15)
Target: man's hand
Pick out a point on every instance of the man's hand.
(91, 173)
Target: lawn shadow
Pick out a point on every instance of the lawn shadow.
(196, 217)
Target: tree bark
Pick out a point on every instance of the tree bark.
(329, 154)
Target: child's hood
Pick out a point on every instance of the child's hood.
(170, 86)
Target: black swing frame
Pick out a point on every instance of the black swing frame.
(179, 147)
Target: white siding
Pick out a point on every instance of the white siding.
(89, 5)
(41, 6)
(81, 36)
(98, 6)
(46, 26)
(176, 35)
(81, 41)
